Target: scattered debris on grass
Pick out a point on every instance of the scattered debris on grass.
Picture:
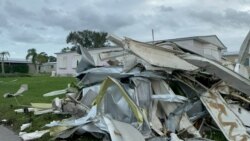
(22, 89)
(25, 126)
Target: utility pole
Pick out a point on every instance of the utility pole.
(153, 36)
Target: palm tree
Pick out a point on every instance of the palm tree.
(33, 55)
(2, 56)
(41, 58)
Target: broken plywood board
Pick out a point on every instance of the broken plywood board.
(228, 122)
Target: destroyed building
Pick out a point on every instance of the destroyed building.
(208, 46)
(157, 91)
(68, 61)
(233, 57)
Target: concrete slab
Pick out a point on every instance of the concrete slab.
(8, 135)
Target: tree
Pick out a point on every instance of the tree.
(33, 55)
(42, 58)
(66, 49)
(3, 55)
(37, 58)
(87, 38)
(52, 59)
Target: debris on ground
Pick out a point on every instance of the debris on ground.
(154, 92)
(20, 91)
(25, 126)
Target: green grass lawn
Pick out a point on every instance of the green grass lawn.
(38, 85)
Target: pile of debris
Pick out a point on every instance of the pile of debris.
(151, 92)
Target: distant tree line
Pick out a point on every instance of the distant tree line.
(85, 38)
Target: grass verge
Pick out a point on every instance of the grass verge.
(38, 85)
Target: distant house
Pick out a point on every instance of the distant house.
(18, 66)
(47, 67)
(68, 61)
(208, 46)
(233, 57)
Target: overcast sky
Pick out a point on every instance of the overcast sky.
(44, 24)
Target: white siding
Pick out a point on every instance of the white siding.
(63, 63)
(212, 52)
(67, 62)
(205, 49)
(75, 60)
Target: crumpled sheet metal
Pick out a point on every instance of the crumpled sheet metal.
(120, 131)
(156, 55)
(41, 105)
(86, 62)
(169, 98)
(31, 136)
(111, 81)
(112, 54)
(75, 122)
(115, 39)
(228, 122)
(240, 68)
(230, 77)
(177, 122)
(55, 93)
(97, 75)
(244, 50)
(116, 106)
(143, 93)
(20, 91)
(25, 126)
(242, 113)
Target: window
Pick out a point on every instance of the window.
(246, 63)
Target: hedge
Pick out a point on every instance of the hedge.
(15, 68)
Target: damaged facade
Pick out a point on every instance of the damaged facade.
(67, 61)
(156, 92)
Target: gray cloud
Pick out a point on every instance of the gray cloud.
(53, 17)
(85, 18)
(27, 37)
(237, 18)
(46, 23)
(4, 21)
(13, 10)
(226, 18)
(109, 22)
(166, 8)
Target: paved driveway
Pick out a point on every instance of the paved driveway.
(8, 135)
